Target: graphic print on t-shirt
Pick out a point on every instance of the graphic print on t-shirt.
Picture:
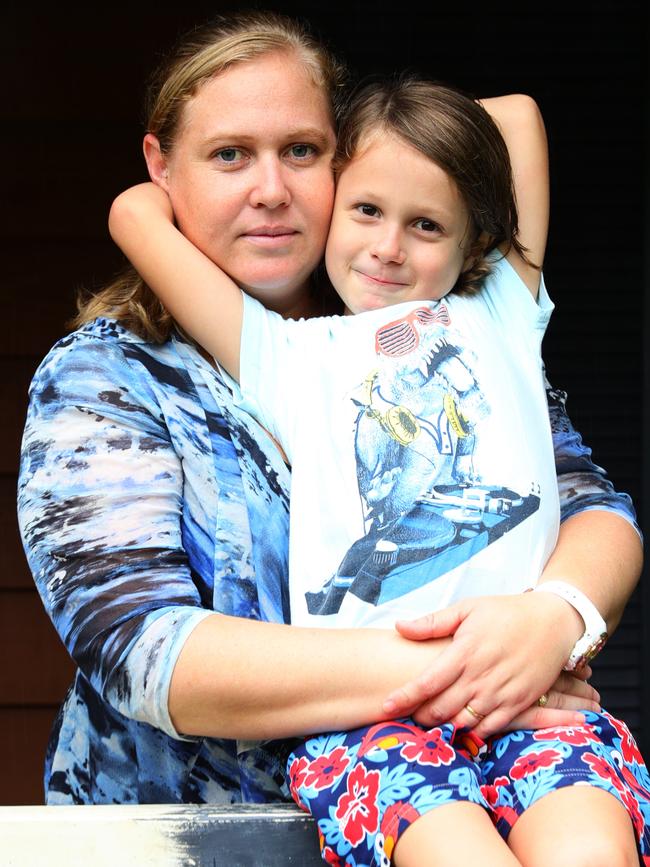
(426, 508)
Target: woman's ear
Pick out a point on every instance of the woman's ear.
(156, 161)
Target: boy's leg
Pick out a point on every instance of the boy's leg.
(368, 787)
(463, 833)
(571, 795)
(575, 826)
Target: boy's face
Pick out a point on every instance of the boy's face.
(400, 229)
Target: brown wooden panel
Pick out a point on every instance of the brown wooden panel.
(83, 69)
(36, 668)
(24, 733)
(40, 299)
(15, 375)
(68, 198)
(14, 572)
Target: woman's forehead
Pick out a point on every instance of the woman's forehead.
(249, 96)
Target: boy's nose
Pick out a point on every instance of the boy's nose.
(388, 247)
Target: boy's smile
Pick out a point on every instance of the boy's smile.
(400, 229)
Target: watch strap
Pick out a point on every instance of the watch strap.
(595, 634)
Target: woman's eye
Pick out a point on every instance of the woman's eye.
(368, 210)
(426, 225)
(302, 151)
(229, 155)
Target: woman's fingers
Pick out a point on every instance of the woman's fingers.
(564, 699)
(534, 718)
(429, 684)
(439, 624)
(568, 685)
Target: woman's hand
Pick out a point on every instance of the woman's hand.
(568, 696)
(506, 652)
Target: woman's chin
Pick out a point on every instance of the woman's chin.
(289, 297)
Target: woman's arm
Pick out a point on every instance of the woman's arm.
(198, 294)
(101, 505)
(247, 679)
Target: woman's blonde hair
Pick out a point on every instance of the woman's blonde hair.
(199, 55)
(456, 133)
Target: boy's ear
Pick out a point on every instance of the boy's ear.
(156, 161)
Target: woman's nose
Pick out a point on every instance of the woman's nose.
(270, 189)
(388, 246)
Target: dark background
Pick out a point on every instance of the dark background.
(71, 133)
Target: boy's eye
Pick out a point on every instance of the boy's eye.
(367, 210)
(229, 155)
(302, 151)
(426, 225)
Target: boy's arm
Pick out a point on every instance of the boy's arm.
(198, 294)
(522, 127)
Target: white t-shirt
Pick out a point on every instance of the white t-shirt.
(421, 453)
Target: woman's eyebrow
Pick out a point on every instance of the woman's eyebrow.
(313, 135)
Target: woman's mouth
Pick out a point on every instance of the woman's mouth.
(271, 236)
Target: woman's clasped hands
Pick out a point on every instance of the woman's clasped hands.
(502, 669)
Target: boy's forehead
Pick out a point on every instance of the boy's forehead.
(391, 171)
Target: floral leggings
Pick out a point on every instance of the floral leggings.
(365, 787)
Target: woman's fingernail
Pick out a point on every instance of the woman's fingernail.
(389, 705)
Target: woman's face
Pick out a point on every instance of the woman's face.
(249, 176)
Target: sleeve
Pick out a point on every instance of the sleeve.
(582, 484)
(275, 363)
(512, 306)
(99, 501)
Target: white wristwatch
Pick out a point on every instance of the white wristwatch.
(595, 635)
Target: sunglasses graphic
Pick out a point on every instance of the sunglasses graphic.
(401, 337)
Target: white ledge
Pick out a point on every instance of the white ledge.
(158, 835)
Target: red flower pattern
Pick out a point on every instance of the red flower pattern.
(629, 748)
(428, 748)
(505, 814)
(330, 856)
(578, 736)
(603, 769)
(632, 806)
(357, 808)
(491, 793)
(325, 769)
(531, 762)
(297, 774)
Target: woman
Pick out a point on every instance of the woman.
(154, 512)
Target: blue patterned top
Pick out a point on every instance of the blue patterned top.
(147, 501)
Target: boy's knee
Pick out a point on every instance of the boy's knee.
(591, 848)
(577, 826)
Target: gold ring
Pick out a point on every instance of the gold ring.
(474, 713)
(542, 701)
